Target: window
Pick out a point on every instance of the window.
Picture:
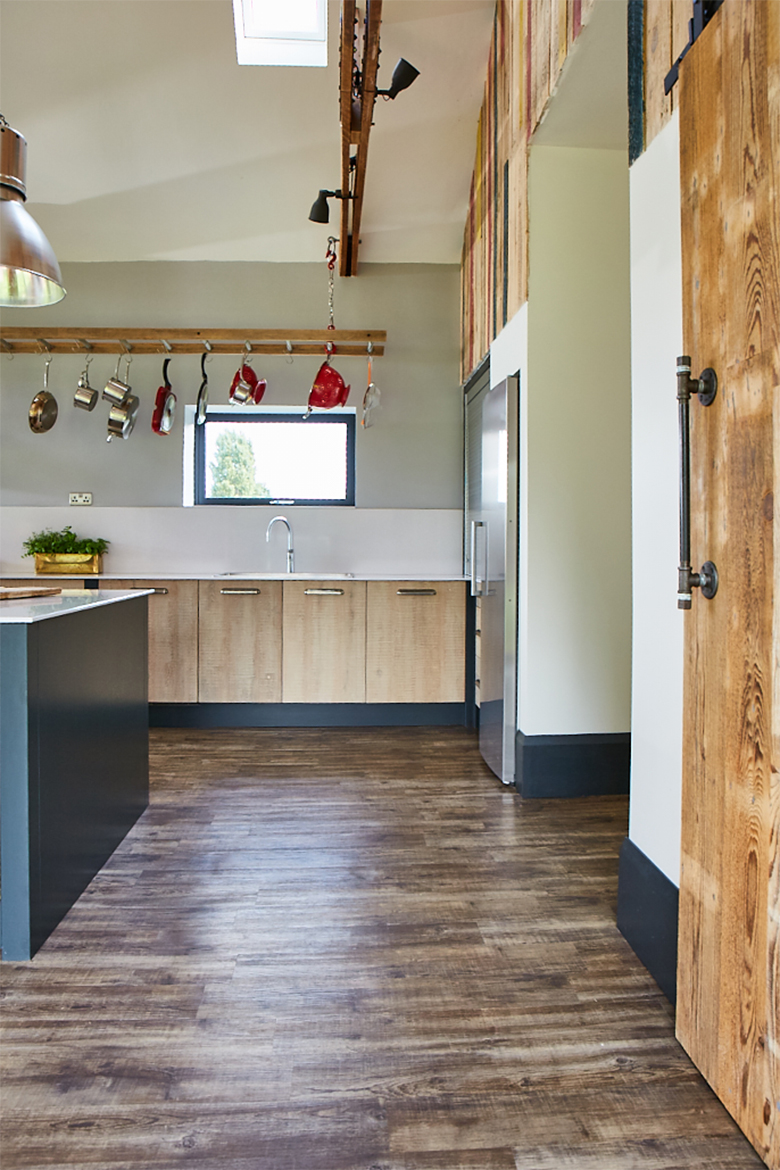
(259, 457)
(281, 32)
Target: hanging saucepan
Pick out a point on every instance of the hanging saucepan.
(115, 390)
(42, 414)
(329, 388)
(203, 393)
(165, 405)
(86, 396)
(243, 386)
(121, 418)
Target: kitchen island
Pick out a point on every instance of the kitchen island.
(74, 749)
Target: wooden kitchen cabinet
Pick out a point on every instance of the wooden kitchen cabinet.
(240, 641)
(324, 642)
(416, 642)
(41, 582)
(173, 637)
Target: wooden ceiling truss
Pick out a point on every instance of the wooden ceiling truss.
(359, 63)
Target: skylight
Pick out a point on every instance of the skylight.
(281, 32)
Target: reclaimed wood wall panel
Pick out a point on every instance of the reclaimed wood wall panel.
(658, 62)
(728, 1001)
(531, 40)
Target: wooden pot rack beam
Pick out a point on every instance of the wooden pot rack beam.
(356, 111)
(350, 342)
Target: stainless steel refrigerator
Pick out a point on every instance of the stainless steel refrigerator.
(491, 561)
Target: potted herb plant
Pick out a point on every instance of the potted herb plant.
(64, 552)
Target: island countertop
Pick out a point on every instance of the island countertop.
(35, 609)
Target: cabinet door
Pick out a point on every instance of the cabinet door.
(416, 642)
(173, 637)
(240, 651)
(324, 658)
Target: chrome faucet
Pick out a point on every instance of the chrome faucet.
(290, 553)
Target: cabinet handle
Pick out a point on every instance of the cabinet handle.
(159, 591)
(324, 592)
(416, 592)
(242, 592)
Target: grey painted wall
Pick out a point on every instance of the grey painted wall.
(410, 458)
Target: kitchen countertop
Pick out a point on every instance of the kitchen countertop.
(30, 609)
(241, 576)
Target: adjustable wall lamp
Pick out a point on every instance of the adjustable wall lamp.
(320, 212)
(403, 76)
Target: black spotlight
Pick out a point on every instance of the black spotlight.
(403, 76)
(320, 212)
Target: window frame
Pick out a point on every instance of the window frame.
(344, 418)
(293, 51)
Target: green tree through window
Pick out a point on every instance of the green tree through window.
(233, 469)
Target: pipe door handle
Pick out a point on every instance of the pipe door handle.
(706, 387)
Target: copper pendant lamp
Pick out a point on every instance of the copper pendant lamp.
(29, 272)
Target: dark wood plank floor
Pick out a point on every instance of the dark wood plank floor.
(350, 950)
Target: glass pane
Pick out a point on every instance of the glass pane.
(284, 18)
(276, 460)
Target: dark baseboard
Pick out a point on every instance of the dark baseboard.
(648, 904)
(572, 765)
(205, 715)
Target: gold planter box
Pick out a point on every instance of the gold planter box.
(68, 564)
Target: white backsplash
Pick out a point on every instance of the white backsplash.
(209, 539)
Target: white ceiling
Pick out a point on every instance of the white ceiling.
(148, 142)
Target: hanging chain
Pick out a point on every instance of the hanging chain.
(330, 257)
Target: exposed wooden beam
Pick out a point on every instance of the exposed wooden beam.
(347, 63)
(353, 179)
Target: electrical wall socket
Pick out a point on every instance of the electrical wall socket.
(80, 498)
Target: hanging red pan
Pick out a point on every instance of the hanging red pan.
(164, 406)
(329, 388)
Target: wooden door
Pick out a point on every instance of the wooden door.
(240, 642)
(324, 657)
(728, 997)
(416, 642)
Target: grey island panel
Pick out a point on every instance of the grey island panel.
(74, 758)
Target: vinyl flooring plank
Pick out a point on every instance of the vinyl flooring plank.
(350, 949)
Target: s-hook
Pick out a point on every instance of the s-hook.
(706, 386)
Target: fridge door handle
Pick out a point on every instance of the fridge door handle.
(486, 581)
(475, 524)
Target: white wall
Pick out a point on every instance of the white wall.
(169, 541)
(575, 622)
(656, 339)
(411, 458)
